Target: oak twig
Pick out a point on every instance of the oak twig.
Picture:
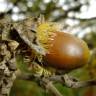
(65, 80)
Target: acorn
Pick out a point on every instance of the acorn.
(63, 51)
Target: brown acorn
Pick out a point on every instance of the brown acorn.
(63, 51)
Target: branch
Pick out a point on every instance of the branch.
(73, 83)
(83, 19)
(49, 86)
(43, 82)
(63, 79)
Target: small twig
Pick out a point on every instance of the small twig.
(49, 86)
(42, 81)
(72, 83)
(63, 79)
(83, 19)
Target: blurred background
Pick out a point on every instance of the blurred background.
(77, 16)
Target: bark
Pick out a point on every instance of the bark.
(7, 68)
